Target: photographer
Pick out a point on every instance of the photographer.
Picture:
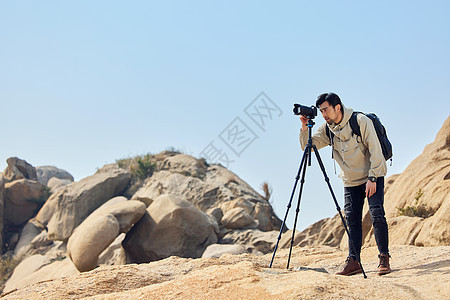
(363, 169)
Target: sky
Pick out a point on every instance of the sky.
(84, 83)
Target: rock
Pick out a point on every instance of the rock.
(406, 231)
(217, 250)
(55, 183)
(23, 198)
(40, 244)
(114, 254)
(19, 169)
(186, 165)
(84, 250)
(171, 226)
(238, 218)
(38, 268)
(45, 173)
(100, 229)
(29, 232)
(69, 206)
(25, 268)
(254, 240)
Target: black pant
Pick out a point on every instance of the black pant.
(354, 201)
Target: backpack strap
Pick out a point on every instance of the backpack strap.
(354, 123)
(330, 134)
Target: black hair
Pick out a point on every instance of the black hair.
(331, 98)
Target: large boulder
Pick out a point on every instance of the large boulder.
(23, 198)
(171, 227)
(100, 229)
(69, 206)
(55, 184)
(45, 173)
(19, 169)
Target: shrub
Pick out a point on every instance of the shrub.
(144, 168)
(141, 166)
(415, 210)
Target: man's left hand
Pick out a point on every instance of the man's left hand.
(371, 188)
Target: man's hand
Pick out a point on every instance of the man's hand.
(304, 122)
(371, 188)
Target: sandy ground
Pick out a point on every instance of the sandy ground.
(418, 273)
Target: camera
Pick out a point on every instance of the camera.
(309, 112)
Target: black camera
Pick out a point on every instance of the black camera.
(309, 112)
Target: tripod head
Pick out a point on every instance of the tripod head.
(310, 123)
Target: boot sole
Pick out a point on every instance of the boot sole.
(351, 273)
(383, 273)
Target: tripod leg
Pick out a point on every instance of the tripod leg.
(322, 167)
(303, 163)
(302, 182)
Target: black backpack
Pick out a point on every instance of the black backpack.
(386, 145)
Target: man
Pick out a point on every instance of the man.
(363, 170)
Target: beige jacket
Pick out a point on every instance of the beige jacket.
(358, 157)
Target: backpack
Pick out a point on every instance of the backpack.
(386, 145)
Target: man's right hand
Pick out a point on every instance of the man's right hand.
(304, 122)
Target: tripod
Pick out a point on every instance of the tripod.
(306, 161)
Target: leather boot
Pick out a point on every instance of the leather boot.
(351, 267)
(383, 266)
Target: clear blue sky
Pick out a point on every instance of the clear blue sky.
(83, 83)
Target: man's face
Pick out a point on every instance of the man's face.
(330, 114)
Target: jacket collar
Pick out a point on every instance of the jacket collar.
(345, 118)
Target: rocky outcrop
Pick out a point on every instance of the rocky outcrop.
(99, 230)
(23, 198)
(45, 173)
(210, 188)
(171, 226)
(19, 169)
(68, 207)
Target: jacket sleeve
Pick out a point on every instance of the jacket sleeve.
(369, 137)
(320, 138)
